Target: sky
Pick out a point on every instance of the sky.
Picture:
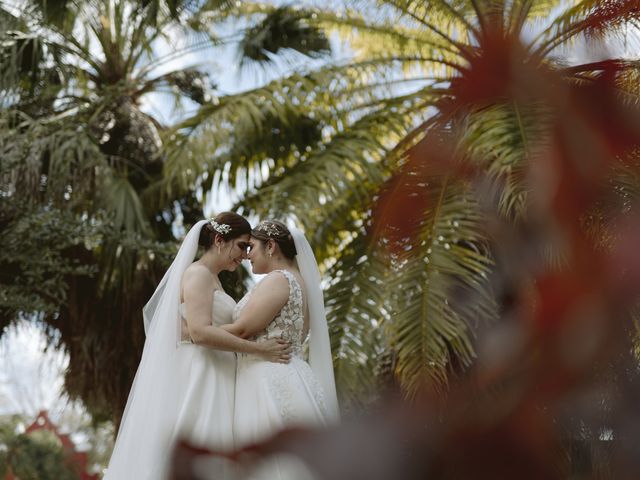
(32, 379)
(23, 357)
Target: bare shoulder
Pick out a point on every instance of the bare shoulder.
(275, 284)
(276, 279)
(197, 274)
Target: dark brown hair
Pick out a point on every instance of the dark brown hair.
(279, 234)
(239, 226)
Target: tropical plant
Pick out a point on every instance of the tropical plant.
(421, 72)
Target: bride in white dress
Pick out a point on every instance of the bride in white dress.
(286, 304)
(185, 383)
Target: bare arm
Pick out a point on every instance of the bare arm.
(198, 288)
(266, 301)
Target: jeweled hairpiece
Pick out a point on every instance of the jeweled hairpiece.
(271, 229)
(221, 228)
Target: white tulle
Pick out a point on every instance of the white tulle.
(179, 389)
(320, 358)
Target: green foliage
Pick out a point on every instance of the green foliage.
(355, 326)
(439, 287)
(35, 261)
(283, 28)
(502, 138)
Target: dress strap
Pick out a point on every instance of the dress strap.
(290, 277)
(295, 289)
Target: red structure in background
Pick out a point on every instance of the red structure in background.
(10, 475)
(77, 459)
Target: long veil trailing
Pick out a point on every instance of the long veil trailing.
(147, 429)
(320, 358)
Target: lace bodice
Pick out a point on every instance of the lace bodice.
(223, 307)
(289, 323)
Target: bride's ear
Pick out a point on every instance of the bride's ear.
(271, 246)
(218, 240)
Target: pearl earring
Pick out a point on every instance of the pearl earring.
(270, 254)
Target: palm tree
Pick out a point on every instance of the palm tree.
(87, 218)
(421, 73)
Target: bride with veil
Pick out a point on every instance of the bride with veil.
(286, 304)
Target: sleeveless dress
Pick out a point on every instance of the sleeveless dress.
(272, 396)
(204, 413)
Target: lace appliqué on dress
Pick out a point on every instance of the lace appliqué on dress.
(289, 323)
(284, 381)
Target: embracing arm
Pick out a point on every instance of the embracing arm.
(198, 287)
(266, 301)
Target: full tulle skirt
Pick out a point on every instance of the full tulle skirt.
(199, 409)
(271, 397)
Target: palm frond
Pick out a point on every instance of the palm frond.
(356, 301)
(439, 289)
(48, 160)
(190, 82)
(501, 139)
(523, 11)
(590, 18)
(233, 124)
(283, 29)
(322, 179)
(603, 222)
(121, 198)
(55, 12)
(429, 17)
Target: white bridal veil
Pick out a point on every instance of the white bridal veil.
(144, 441)
(320, 357)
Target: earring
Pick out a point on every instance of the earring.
(218, 249)
(270, 254)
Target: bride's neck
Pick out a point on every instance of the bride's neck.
(283, 264)
(211, 260)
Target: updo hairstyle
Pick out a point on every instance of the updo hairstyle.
(278, 232)
(236, 224)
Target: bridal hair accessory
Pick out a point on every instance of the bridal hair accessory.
(271, 229)
(221, 228)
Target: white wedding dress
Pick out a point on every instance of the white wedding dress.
(272, 396)
(198, 407)
(206, 409)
